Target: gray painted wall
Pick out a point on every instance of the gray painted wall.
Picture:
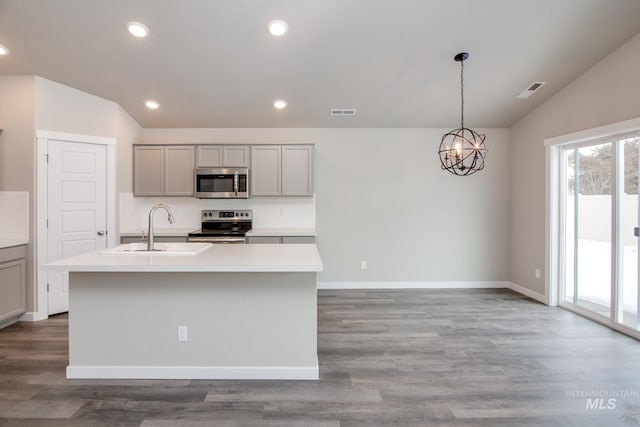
(607, 93)
(17, 151)
(28, 103)
(381, 197)
(486, 227)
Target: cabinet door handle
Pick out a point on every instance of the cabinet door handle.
(101, 233)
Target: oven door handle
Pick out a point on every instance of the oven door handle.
(236, 182)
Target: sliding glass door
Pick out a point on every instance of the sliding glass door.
(627, 313)
(588, 227)
(599, 229)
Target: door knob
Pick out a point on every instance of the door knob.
(101, 233)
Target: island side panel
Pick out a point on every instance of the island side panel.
(234, 320)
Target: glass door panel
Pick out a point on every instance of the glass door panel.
(628, 288)
(588, 202)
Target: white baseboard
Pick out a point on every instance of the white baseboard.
(32, 316)
(8, 322)
(413, 285)
(435, 285)
(193, 372)
(528, 292)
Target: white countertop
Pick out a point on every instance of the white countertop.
(217, 258)
(7, 243)
(164, 232)
(286, 232)
(255, 232)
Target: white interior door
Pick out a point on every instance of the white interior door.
(76, 211)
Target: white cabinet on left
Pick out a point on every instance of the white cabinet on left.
(163, 170)
(13, 288)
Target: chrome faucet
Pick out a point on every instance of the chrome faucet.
(150, 231)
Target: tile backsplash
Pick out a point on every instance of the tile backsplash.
(14, 215)
(281, 212)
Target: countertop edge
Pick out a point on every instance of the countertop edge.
(177, 269)
(263, 258)
(285, 232)
(9, 243)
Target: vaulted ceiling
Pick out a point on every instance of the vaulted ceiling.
(212, 63)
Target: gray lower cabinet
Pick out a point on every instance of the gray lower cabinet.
(163, 170)
(158, 239)
(13, 288)
(281, 239)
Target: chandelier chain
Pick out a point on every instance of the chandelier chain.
(462, 94)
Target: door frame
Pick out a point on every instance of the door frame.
(41, 238)
(554, 221)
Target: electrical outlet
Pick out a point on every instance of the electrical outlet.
(537, 273)
(183, 333)
(363, 265)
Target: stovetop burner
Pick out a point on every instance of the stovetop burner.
(224, 223)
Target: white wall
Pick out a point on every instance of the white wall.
(607, 93)
(381, 197)
(64, 109)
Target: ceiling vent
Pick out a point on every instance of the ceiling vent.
(342, 112)
(533, 87)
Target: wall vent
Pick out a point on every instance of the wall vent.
(341, 112)
(533, 87)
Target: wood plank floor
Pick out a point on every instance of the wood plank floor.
(388, 358)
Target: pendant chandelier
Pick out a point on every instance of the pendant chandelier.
(462, 151)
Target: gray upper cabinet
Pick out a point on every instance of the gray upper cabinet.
(208, 156)
(265, 170)
(222, 155)
(148, 171)
(282, 170)
(178, 170)
(163, 170)
(235, 155)
(297, 170)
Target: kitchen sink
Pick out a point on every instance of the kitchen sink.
(161, 248)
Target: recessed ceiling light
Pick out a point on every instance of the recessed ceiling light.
(153, 105)
(3, 50)
(138, 29)
(277, 27)
(279, 104)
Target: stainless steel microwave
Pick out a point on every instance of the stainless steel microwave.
(222, 183)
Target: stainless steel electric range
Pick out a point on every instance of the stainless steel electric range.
(223, 226)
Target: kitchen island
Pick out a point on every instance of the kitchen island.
(227, 312)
